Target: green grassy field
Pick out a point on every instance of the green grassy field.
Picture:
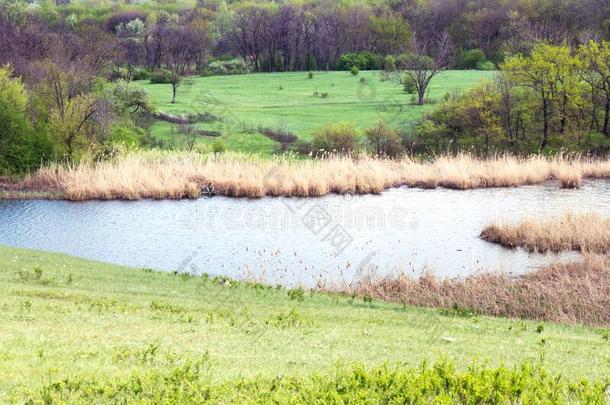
(286, 100)
(68, 318)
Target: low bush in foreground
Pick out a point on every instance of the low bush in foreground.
(436, 383)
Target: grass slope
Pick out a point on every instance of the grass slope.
(286, 100)
(64, 317)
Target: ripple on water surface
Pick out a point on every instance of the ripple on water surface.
(293, 241)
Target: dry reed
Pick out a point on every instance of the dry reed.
(182, 175)
(569, 293)
(581, 232)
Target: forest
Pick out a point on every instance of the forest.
(68, 69)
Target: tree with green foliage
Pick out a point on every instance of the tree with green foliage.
(420, 67)
(595, 58)
(390, 34)
(22, 147)
(552, 73)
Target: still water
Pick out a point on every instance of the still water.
(300, 241)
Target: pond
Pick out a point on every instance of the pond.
(293, 241)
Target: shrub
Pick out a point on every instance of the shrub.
(403, 59)
(123, 17)
(362, 60)
(340, 138)
(218, 146)
(128, 98)
(384, 141)
(140, 74)
(310, 75)
(161, 76)
(470, 59)
(389, 63)
(282, 136)
(408, 85)
(227, 67)
(354, 70)
(486, 65)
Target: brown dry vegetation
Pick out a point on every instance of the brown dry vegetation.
(182, 175)
(581, 232)
(570, 293)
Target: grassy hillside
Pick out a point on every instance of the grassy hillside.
(67, 318)
(287, 100)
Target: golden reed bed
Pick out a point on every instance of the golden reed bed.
(573, 292)
(182, 175)
(570, 293)
(587, 233)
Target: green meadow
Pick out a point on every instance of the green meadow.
(296, 103)
(81, 327)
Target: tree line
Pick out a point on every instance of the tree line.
(554, 98)
(288, 36)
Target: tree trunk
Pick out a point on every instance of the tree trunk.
(174, 86)
(607, 118)
(421, 94)
(545, 118)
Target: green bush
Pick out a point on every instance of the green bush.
(218, 146)
(340, 138)
(389, 63)
(361, 60)
(486, 65)
(226, 67)
(408, 85)
(122, 138)
(354, 70)
(161, 76)
(470, 59)
(310, 75)
(384, 141)
(140, 74)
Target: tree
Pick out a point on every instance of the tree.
(551, 72)
(390, 34)
(420, 67)
(73, 125)
(596, 66)
(182, 46)
(21, 147)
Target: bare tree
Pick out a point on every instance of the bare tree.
(182, 46)
(427, 59)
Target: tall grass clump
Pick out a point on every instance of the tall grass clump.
(580, 232)
(157, 174)
(570, 293)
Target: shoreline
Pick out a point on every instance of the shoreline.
(167, 175)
